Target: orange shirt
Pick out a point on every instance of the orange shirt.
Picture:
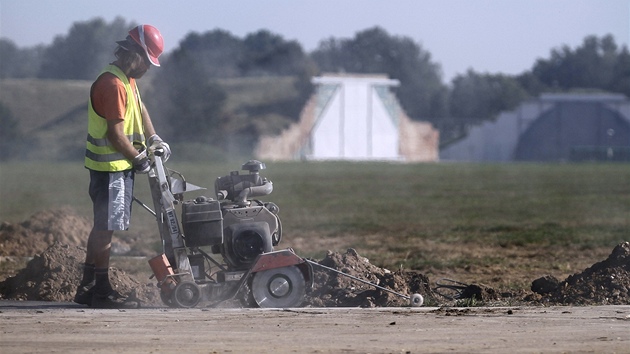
(109, 98)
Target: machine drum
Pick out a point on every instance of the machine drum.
(279, 287)
(244, 242)
(248, 245)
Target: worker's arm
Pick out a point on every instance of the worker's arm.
(146, 122)
(118, 139)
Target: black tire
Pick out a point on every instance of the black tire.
(186, 294)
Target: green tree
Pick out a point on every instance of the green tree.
(87, 48)
(621, 73)
(11, 138)
(422, 93)
(266, 53)
(475, 98)
(187, 101)
(217, 53)
(193, 102)
(597, 64)
(19, 63)
(481, 97)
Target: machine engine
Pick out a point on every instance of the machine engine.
(235, 225)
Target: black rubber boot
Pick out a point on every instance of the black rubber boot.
(112, 300)
(84, 293)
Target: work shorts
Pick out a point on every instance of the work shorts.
(112, 195)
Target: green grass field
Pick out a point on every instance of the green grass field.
(501, 223)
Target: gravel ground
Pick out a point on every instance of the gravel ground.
(53, 327)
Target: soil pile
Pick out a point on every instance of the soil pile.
(604, 283)
(35, 235)
(331, 289)
(55, 274)
(54, 238)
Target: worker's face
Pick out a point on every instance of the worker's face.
(139, 66)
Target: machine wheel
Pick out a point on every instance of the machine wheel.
(416, 300)
(167, 299)
(279, 287)
(186, 294)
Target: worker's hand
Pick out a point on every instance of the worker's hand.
(141, 163)
(158, 147)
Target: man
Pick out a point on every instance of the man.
(118, 126)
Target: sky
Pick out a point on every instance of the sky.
(488, 36)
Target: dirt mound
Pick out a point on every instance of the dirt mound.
(54, 237)
(331, 289)
(55, 274)
(41, 230)
(604, 283)
(480, 292)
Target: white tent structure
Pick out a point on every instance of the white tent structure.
(353, 117)
(352, 120)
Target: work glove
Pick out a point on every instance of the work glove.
(141, 163)
(158, 147)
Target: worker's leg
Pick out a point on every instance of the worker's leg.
(98, 252)
(111, 194)
(98, 248)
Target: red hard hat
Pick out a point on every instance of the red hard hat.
(150, 39)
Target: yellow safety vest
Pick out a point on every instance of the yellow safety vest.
(99, 154)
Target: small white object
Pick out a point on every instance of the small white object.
(416, 300)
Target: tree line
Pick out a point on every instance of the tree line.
(187, 92)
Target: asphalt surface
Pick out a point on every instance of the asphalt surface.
(46, 327)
